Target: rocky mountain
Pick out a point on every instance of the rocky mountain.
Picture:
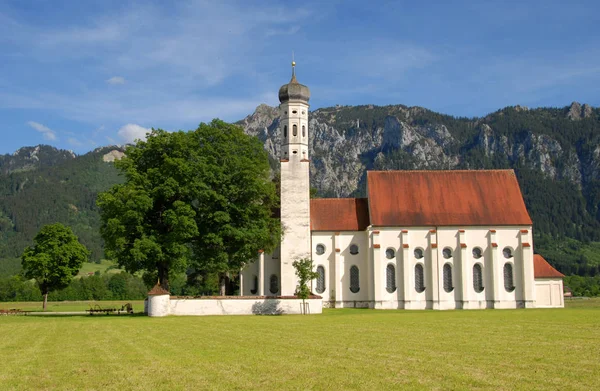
(348, 140)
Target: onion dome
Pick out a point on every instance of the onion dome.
(294, 90)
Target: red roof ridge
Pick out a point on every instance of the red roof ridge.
(508, 170)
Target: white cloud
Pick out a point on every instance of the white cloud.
(131, 132)
(48, 133)
(116, 80)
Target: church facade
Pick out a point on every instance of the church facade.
(420, 240)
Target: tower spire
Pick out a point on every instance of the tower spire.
(293, 70)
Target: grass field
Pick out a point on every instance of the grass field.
(103, 267)
(341, 349)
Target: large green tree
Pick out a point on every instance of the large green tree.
(191, 200)
(55, 258)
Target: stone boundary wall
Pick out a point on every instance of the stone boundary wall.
(164, 305)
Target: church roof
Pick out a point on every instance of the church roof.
(339, 214)
(542, 269)
(294, 90)
(446, 198)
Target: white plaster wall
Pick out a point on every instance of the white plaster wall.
(549, 293)
(346, 261)
(158, 305)
(195, 307)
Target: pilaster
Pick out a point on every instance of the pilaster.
(375, 273)
(339, 271)
(261, 273)
(465, 276)
(408, 279)
(527, 273)
(434, 272)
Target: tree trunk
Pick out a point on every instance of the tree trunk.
(163, 277)
(45, 300)
(222, 284)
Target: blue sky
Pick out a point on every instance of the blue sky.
(83, 74)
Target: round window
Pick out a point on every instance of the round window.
(477, 253)
(320, 249)
(507, 252)
(418, 253)
(447, 252)
(353, 249)
(390, 253)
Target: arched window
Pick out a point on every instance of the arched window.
(507, 252)
(255, 288)
(390, 278)
(477, 278)
(447, 252)
(477, 253)
(418, 253)
(448, 285)
(354, 280)
(508, 277)
(303, 131)
(273, 284)
(320, 249)
(419, 278)
(390, 253)
(353, 249)
(294, 130)
(284, 131)
(320, 279)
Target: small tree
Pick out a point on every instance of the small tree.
(305, 273)
(55, 258)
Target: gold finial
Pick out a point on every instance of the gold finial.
(293, 63)
(293, 70)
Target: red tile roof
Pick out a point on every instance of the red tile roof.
(542, 269)
(445, 198)
(339, 214)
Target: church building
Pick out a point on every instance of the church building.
(420, 240)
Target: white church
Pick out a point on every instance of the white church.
(421, 240)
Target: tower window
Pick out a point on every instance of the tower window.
(354, 280)
(390, 278)
(419, 278)
(477, 278)
(320, 279)
(303, 131)
(448, 286)
(285, 131)
(274, 284)
(294, 112)
(294, 130)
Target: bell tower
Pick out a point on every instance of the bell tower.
(295, 179)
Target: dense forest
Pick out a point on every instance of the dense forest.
(554, 152)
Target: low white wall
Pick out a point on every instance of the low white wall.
(163, 305)
(549, 293)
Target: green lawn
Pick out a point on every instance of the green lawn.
(71, 306)
(341, 349)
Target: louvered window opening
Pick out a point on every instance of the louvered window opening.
(274, 284)
(390, 278)
(320, 279)
(448, 286)
(354, 280)
(508, 277)
(419, 278)
(477, 278)
(294, 130)
(255, 289)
